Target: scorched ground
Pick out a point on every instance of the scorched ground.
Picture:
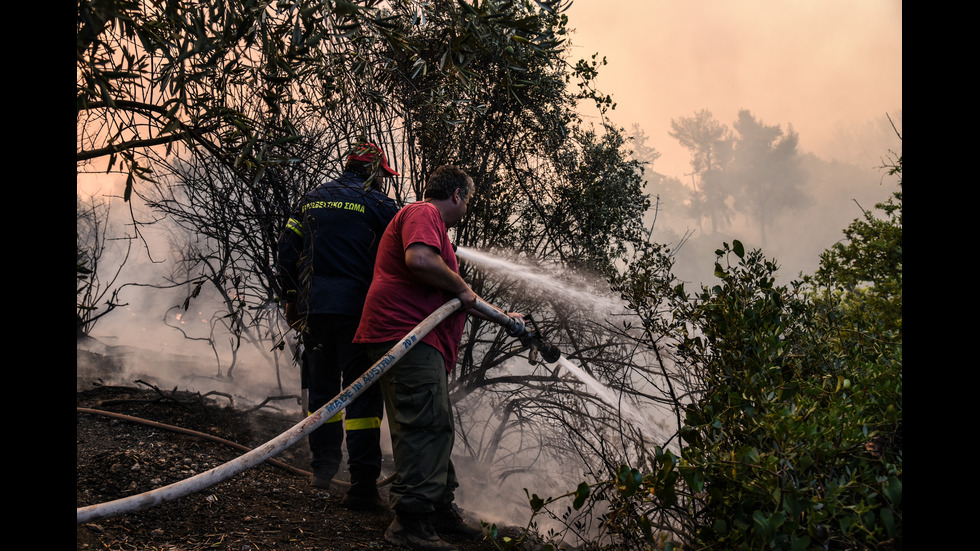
(268, 507)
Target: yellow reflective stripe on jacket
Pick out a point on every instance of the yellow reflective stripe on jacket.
(295, 225)
(363, 423)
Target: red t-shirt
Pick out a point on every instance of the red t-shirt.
(396, 301)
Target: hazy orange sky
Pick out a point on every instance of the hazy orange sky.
(815, 64)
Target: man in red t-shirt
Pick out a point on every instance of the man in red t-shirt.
(416, 272)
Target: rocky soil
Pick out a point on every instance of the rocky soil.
(269, 507)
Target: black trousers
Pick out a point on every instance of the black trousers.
(331, 363)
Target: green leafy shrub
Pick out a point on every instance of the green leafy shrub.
(797, 437)
(794, 442)
(793, 438)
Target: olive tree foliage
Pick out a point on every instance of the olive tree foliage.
(237, 79)
(220, 76)
(228, 112)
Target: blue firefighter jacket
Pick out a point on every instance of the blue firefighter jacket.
(326, 253)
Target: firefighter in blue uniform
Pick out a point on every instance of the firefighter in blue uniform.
(325, 263)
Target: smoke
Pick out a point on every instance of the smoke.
(498, 493)
(832, 70)
(149, 336)
(833, 194)
(816, 65)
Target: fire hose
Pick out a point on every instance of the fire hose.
(145, 500)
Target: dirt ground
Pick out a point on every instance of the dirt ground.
(268, 507)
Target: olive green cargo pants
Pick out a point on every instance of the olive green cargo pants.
(420, 420)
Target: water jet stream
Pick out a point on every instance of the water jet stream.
(583, 297)
(603, 392)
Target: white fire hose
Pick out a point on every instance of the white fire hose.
(277, 445)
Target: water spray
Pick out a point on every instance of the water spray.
(533, 339)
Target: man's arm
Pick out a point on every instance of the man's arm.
(428, 266)
(287, 259)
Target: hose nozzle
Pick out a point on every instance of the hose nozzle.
(549, 352)
(525, 331)
(534, 340)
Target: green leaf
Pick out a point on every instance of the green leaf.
(581, 494)
(738, 249)
(647, 529)
(750, 455)
(692, 477)
(888, 519)
(536, 503)
(893, 491)
(799, 543)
